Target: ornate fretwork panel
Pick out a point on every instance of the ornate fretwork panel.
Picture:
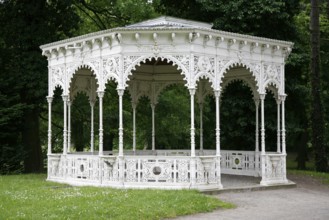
(131, 62)
(73, 68)
(111, 69)
(200, 173)
(225, 65)
(155, 170)
(255, 69)
(183, 171)
(57, 75)
(131, 171)
(204, 67)
(183, 64)
(222, 67)
(272, 76)
(239, 162)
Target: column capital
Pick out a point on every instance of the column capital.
(256, 100)
(217, 93)
(120, 92)
(153, 105)
(282, 97)
(65, 98)
(49, 99)
(192, 91)
(134, 105)
(262, 96)
(100, 94)
(92, 103)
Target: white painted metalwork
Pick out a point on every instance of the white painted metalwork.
(92, 141)
(120, 93)
(278, 102)
(100, 100)
(145, 58)
(65, 99)
(69, 103)
(134, 126)
(192, 93)
(217, 94)
(153, 126)
(49, 100)
(201, 125)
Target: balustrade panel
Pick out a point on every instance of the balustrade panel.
(275, 169)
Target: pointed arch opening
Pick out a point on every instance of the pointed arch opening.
(83, 84)
(161, 80)
(237, 117)
(205, 115)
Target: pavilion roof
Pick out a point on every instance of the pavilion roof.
(166, 24)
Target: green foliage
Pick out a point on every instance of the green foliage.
(105, 14)
(25, 25)
(173, 118)
(257, 17)
(11, 152)
(31, 197)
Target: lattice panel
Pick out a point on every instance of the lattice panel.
(156, 170)
(238, 160)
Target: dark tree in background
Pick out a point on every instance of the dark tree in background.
(317, 119)
(25, 25)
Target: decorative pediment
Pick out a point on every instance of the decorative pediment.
(166, 21)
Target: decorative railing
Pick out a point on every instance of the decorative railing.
(138, 171)
(240, 163)
(166, 169)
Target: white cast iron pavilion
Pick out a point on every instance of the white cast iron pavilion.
(143, 59)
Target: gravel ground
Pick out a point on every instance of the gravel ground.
(310, 200)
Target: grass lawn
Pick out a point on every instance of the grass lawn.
(292, 162)
(31, 197)
(323, 177)
(292, 165)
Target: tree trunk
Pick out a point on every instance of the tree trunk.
(31, 141)
(302, 151)
(318, 143)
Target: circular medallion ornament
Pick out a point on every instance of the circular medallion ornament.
(156, 170)
(204, 64)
